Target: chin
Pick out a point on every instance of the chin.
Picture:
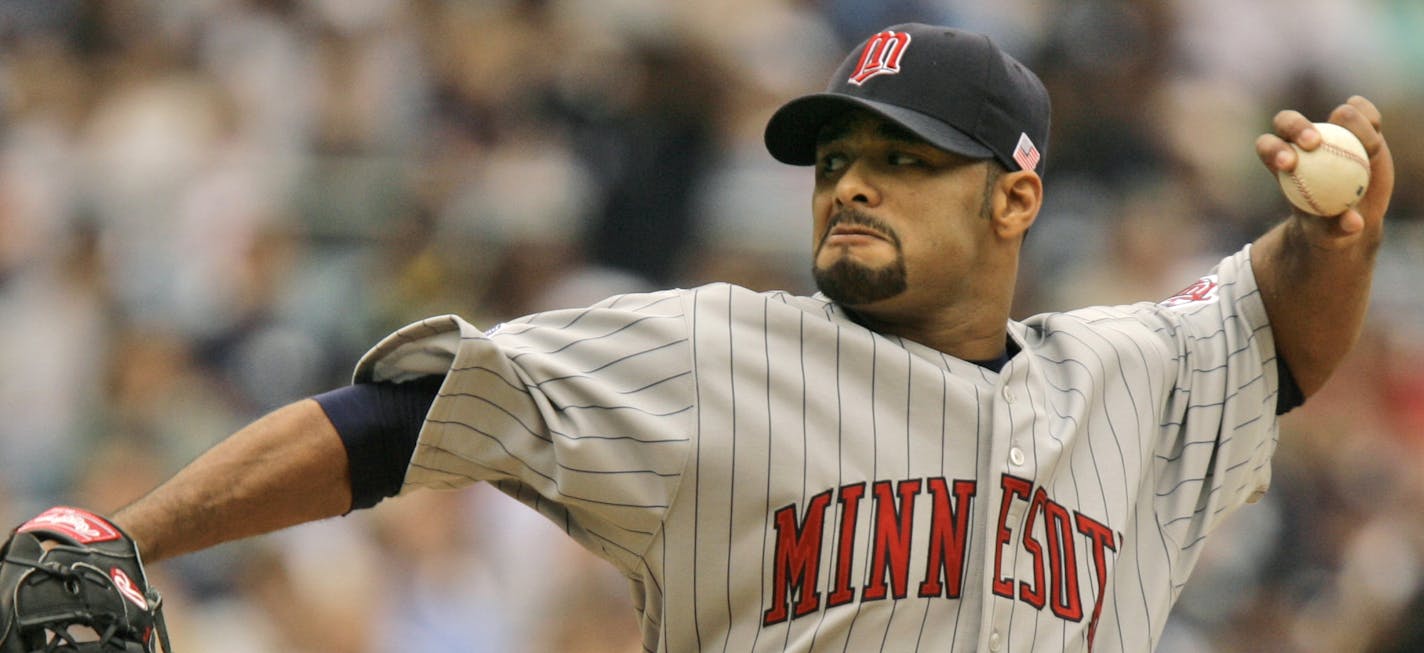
(851, 283)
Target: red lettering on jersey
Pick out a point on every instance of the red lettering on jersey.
(1036, 594)
(894, 523)
(1056, 584)
(1101, 538)
(798, 559)
(949, 529)
(842, 592)
(1063, 562)
(1013, 487)
(881, 56)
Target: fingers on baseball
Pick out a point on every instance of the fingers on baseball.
(1358, 114)
(1351, 222)
(1363, 119)
(1275, 152)
(1294, 127)
(1274, 149)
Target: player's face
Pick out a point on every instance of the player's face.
(898, 222)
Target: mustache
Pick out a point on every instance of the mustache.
(855, 217)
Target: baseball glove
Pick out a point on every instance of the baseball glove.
(72, 582)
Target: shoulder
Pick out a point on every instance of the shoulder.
(1133, 336)
(674, 300)
(1129, 320)
(723, 297)
(659, 302)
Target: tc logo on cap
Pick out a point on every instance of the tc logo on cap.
(881, 56)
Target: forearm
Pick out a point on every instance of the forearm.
(287, 468)
(1315, 284)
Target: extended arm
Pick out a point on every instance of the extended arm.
(1314, 273)
(287, 468)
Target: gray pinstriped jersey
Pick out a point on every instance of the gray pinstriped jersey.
(772, 476)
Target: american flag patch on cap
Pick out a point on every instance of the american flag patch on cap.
(1025, 153)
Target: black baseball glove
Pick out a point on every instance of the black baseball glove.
(72, 582)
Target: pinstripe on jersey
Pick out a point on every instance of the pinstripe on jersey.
(772, 476)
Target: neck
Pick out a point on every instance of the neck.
(966, 335)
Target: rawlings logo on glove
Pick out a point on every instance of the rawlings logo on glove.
(72, 582)
(81, 526)
(126, 587)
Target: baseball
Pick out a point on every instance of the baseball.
(1331, 178)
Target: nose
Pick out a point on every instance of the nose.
(856, 187)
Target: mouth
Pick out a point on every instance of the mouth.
(846, 234)
(850, 228)
(855, 230)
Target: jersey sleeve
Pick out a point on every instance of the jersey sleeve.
(1218, 423)
(584, 415)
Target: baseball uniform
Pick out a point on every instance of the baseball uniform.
(770, 475)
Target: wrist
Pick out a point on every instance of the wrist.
(1347, 234)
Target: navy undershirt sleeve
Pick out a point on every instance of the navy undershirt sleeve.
(379, 424)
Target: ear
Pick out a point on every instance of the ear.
(1017, 198)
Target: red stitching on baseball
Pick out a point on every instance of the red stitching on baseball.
(1305, 192)
(1336, 149)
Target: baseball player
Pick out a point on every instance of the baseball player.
(892, 464)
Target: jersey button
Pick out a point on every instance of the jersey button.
(1008, 394)
(1016, 455)
(994, 641)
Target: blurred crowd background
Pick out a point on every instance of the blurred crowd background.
(210, 208)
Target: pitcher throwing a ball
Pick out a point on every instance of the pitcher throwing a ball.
(892, 464)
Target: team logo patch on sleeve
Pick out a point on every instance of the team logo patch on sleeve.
(1204, 291)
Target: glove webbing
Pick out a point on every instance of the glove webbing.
(71, 579)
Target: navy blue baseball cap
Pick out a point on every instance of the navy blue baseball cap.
(955, 89)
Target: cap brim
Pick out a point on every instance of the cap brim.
(792, 131)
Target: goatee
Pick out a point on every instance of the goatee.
(853, 284)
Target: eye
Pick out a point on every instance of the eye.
(831, 162)
(903, 159)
